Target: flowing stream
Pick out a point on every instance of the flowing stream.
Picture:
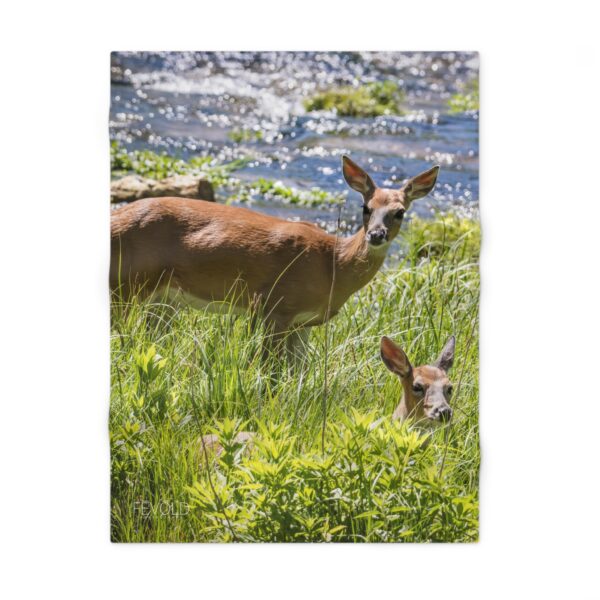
(250, 105)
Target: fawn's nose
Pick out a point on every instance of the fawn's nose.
(444, 414)
(377, 236)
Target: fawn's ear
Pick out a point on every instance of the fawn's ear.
(394, 357)
(421, 185)
(446, 358)
(357, 178)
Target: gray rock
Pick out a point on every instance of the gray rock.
(134, 187)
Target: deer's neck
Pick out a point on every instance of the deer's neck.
(357, 262)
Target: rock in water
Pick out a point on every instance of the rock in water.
(134, 187)
(186, 186)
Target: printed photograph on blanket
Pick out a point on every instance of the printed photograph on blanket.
(294, 284)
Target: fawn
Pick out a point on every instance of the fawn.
(426, 391)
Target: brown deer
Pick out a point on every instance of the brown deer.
(300, 276)
(425, 399)
(426, 389)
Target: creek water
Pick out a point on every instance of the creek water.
(196, 103)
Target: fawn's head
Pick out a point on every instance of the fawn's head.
(384, 208)
(427, 389)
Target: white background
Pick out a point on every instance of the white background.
(540, 365)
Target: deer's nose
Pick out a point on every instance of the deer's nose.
(444, 414)
(377, 236)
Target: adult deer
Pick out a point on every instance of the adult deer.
(300, 275)
(426, 389)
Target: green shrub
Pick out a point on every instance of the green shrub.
(370, 100)
(159, 166)
(377, 482)
(438, 236)
(245, 135)
(269, 189)
(467, 100)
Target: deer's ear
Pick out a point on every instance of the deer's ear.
(357, 178)
(446, 358)
(394, 358)
(421, 185)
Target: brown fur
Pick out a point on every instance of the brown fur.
(426, 389)
(211, 252)
(210, 445)
(429, 407)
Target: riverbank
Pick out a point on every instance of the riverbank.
(179, 374)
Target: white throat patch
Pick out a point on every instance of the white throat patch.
(379, 250)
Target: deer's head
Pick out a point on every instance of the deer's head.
(427, 389)
(384, 208)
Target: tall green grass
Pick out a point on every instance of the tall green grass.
(328, 464)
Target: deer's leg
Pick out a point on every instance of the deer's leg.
(296, 344)
(282, 336)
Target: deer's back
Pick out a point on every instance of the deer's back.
(205, 248)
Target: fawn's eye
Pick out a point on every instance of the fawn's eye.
(366, 210)
(399, 214)
(417, 388)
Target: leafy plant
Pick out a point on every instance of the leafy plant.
(269, 189)
(159, 166)
(245, 135)
(467, 100)
(377, 481)
(370, 100)
(438, 236)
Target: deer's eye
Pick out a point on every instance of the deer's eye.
(366, 210)
(417, 388)
(399, 214)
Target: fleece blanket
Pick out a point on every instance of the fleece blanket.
(294, 286)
